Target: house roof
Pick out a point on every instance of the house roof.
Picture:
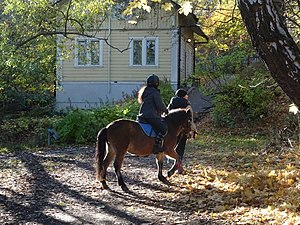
(196, 29)
(190, 21)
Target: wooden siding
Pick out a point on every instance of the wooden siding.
(156, 19)
(119, 65)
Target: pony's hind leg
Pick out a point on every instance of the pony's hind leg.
(159, 162)
(117, 165)
(108, 159)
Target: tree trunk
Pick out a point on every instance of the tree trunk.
(274, 44)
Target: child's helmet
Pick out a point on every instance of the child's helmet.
(153, 80)
(181, 93)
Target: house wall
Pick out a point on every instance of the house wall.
(186, 55)
(119, 61)
(87, 87)
(84, 86)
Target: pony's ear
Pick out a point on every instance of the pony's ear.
(190, 114)
(189, 111)
(188, 107)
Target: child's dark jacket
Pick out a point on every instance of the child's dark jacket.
(152, 105)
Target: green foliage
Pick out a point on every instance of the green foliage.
(166, 91)
(81, 126)
(25, 130)
(26, 71)
(28, 46)
(229, 44)
(213, 67)
(244, 98)
(223, 67)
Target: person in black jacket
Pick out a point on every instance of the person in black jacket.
(180, 100)
(151, 109)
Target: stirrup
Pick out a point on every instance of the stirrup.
(159, 144)
(157, 149)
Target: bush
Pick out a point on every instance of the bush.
(27, 130)
(166, 92)
(81, 126)
(241, 101)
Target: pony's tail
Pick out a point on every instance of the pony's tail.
(100, 151)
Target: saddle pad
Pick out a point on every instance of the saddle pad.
(148, 130)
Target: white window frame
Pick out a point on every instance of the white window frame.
(88, 55)
(144, 51)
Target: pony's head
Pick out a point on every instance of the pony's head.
(181, 119)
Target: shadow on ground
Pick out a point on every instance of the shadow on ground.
(58, 187)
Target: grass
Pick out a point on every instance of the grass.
(233, 142)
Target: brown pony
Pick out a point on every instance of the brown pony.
(123, 135)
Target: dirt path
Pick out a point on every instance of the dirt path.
(58, 187)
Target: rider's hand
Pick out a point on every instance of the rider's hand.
(164, 114)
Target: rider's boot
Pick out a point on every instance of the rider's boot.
(158, 145)
(180, 169)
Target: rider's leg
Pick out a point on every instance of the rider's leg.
(159, 144)
(180, 148)
(160, 130)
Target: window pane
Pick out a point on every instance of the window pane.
(95, 52)
(150, 58)
(82, 57)
(137, 53)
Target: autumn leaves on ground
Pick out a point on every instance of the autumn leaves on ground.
(235, 178)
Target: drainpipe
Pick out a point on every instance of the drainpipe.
(109, 56)
(194, 57)
(179, 54)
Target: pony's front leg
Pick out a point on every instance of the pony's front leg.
(173, 168)
(176, 164)
(159, 162)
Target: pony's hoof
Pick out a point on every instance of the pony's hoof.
(164, 180)
(125, 188)
(171, 173)
(180, 170)
(104, 185)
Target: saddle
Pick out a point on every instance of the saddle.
(148, 130)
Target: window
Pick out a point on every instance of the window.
(144, 51)
(88, 52)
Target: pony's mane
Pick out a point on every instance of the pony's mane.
(174, 111)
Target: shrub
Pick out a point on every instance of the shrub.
(81, 126)
(25, 130)
(166, 91)
(241, 101)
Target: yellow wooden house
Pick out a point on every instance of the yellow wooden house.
(117, 60)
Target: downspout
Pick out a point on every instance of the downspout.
(194, 57)
(109, 56)
(179, 54)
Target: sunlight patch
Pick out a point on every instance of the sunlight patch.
(64, 217)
